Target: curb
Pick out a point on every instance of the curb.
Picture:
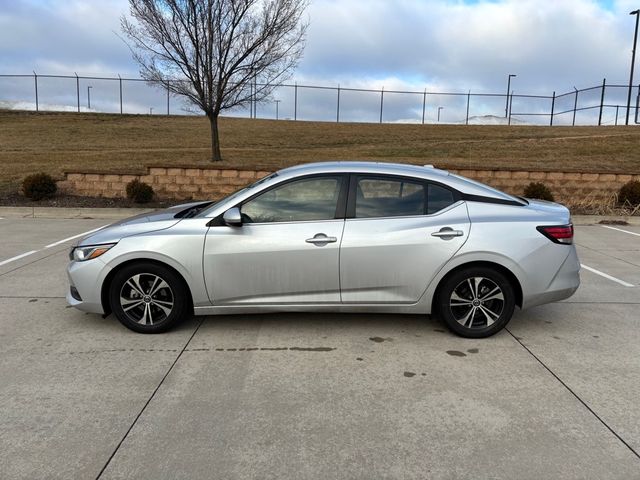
(66, 212)
(596, 219)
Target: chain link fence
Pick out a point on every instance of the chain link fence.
(598, 105)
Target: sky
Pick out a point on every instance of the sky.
(438, 45)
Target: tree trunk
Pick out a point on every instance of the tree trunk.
(216, 156)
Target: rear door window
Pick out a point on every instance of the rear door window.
(386, 197)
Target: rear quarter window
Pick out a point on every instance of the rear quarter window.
(438, 198)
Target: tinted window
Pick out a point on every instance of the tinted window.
(389, 198)
(310, 199)
(439, 198)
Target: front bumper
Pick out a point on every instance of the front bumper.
(87, 278)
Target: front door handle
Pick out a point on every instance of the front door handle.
(447, 232)
(320, 239)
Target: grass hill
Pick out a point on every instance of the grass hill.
(55, 142)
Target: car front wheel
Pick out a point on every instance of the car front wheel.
(148, 298)
(476, 302)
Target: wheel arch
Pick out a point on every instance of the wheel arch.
(513, 279)
(106, 284)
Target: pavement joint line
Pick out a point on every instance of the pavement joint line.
(600, 252)
(55, 244)
(607, 276)
(29, 296)
(621, 230)
(599, 303)
(75, 236)
(153, 394)
(31, 263)
(574, 394)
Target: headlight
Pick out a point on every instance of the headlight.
(80, 254)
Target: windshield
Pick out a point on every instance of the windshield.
(206, 211)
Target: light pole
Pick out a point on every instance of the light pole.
(506, 108)
(439, 108)
(633, 61)
(277, 104)
(89, 87)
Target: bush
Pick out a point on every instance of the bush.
(39, 186)
(630, 192)
(539, 191)
(139, 192)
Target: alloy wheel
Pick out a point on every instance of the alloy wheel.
(146, 299)
(476, 302)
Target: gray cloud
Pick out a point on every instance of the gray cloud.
(439, 45)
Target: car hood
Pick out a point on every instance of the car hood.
(143, 223)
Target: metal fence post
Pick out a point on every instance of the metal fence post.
(78, 90)
(553, 105)
(168, 97)
(637, 105)
(338, 106)
(604, 84)
(120, 82)
(295, 101)
(510, 100)
(468, 101)
(424, 104)
(575, 107)
(255, 98)
(381, 103)
(617, 107)
(35, 79)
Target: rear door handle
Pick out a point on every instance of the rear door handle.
(321, 239)
(447, 232)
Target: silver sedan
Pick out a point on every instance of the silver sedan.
(339, 237)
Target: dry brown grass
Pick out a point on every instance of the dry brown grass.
(57, 142)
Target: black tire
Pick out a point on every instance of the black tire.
(476, 302)
(148, 298)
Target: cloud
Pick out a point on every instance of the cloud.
(438, 45)
(549, 44)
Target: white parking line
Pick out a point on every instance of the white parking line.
(18, 257)
(621, 230)
(608, 277)
(31, 252)
(75, 236)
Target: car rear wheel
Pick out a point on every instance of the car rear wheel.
(148, 298)
(476, 302)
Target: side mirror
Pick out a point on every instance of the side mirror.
(233, 217)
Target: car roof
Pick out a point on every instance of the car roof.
(427, 172)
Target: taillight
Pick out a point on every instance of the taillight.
(558, 233)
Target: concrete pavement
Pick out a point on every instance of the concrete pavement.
(317, 396)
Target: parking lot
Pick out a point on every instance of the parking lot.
(327, 396)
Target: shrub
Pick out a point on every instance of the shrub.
(139, 192)
(39, 186)
(538, 190)
(630, 192)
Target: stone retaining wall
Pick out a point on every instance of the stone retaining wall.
(210, 183)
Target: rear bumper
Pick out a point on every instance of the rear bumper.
(564, 283)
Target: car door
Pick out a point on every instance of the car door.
(400, 234)
(287, 249)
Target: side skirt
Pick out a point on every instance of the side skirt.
(416, 308)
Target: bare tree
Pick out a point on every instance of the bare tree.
(219, 54)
